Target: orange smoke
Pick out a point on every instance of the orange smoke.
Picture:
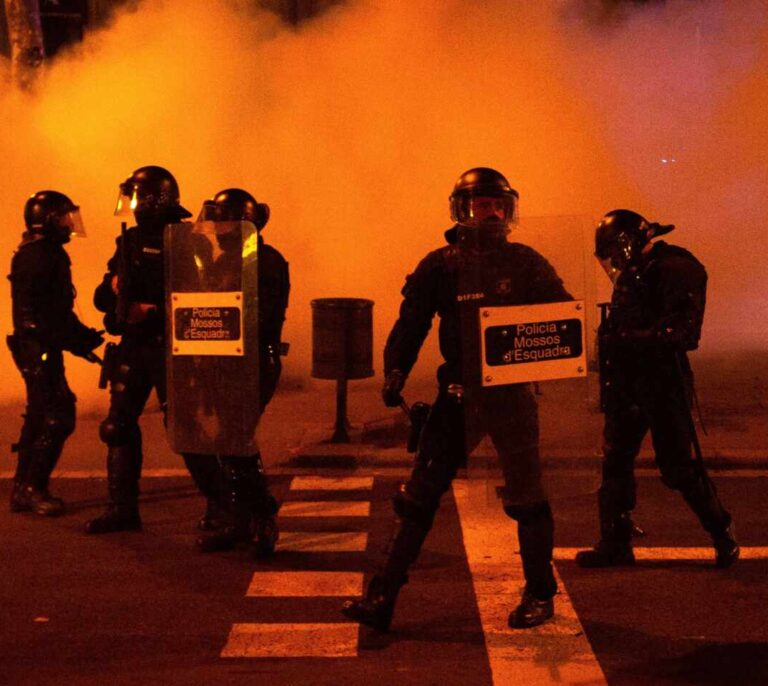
(354, 127)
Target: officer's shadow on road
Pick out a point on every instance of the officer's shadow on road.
(630, 656)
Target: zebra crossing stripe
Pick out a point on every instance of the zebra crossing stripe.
(305, 584)
(557, 652)
(325, 508)
(331, 483)
(318, 640)
(331, 640)
(679, 553)
(323, 541)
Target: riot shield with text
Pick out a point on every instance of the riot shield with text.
(526, 331)
(211, 277)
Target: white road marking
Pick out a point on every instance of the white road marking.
(291, 640)
(323, 541)
(330, 483)
(383, 470)
(679, 553)
(325, 508)
(305, 584)
(558, 651)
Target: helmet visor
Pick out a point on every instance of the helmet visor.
(74, 221)
(127, 200)
(482, 210)
(609, 268)
(210, 212)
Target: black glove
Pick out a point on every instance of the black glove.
(87, 342)
(393, 384)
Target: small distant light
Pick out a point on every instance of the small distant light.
(41, 620)
(44, 357)
(663, 160)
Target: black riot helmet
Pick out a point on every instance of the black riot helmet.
(483, 205)
(52, 214)
(151, 193)
(235, 204)
(621, 237)
(482, 182)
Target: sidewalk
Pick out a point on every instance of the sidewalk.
(298, 424)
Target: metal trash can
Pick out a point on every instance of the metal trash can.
(342, 338)
(342, 348)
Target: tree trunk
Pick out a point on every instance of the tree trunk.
(25, 36)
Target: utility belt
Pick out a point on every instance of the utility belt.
(273, 352)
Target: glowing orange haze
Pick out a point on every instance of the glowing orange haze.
(355, 126)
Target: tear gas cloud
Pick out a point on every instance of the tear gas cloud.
(354, 126)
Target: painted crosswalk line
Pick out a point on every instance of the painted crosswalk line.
(323, 541)
(325, 508)
(679, 553)
(555, 652)
(332, 483)
(329, 640)
(305, 584)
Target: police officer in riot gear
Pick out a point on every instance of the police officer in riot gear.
(132, 297)
(483, 205)
(45, 325)
(656, 313)
(245, 491)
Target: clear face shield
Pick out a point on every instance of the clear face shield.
(608, 267)
(73, 223)
(127, 200)
(484, 220)
(617, 255)
(210, 212)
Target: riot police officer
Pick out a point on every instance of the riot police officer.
(656, 313)
(484, 206)
(44, 325)
(245, 490)
(132, 297)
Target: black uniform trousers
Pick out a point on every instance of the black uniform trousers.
(453, 429)
(139, 367)
(653, 396)
(48, 421)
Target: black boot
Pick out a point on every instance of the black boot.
(122, 513)
(614, 549)
(238, 501)
(41, 502)
(205, 471)
(214, 518)
(376, 607)
(727, 551)
(265, 531)
(114, 519)
(531, 612)
(606, 554)
(702, 498)
(19, 501)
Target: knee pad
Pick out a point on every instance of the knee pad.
(59, 426)
(115, 433)
(529, 512)
(413, 508)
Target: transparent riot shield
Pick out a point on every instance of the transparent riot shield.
(211, 277)
(528, 317)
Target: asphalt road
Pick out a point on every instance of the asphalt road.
(140, 608)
